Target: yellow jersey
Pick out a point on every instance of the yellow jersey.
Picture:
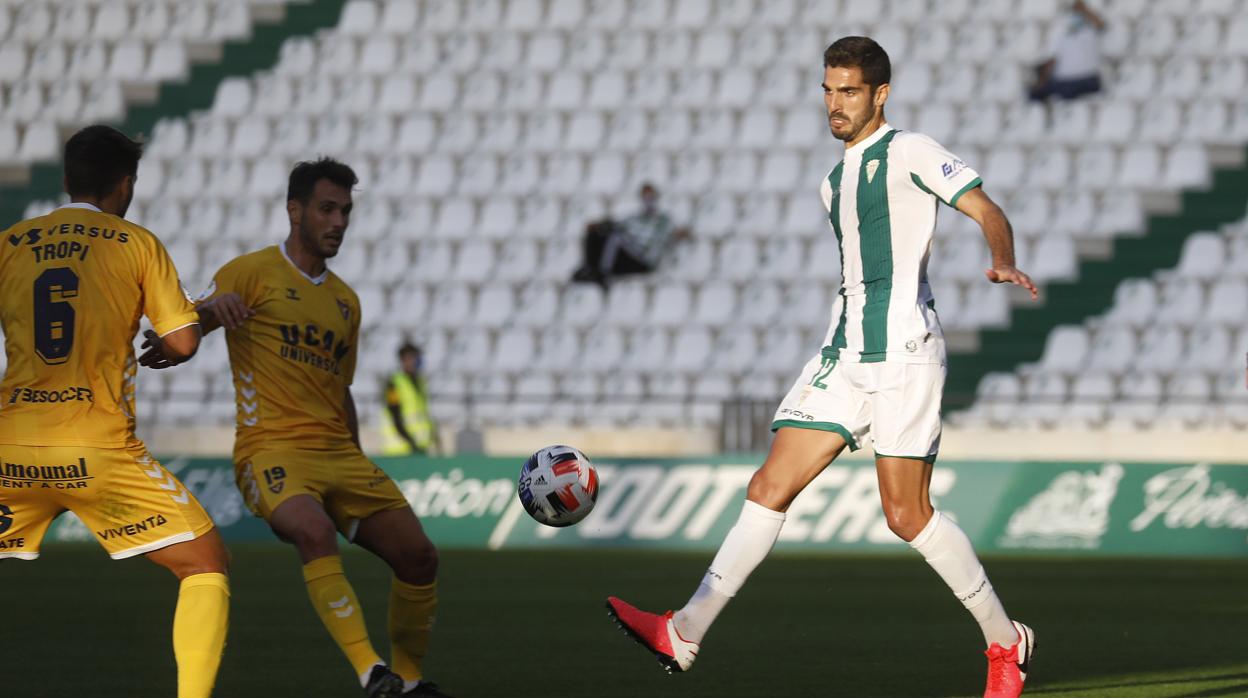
(293, 360)
(73, 285)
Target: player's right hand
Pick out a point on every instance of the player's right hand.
(230, 310)
(154, 357)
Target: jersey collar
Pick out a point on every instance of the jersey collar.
(318, 280)
(81, 204)
(871, 140)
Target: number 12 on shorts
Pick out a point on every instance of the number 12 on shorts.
(825, 369)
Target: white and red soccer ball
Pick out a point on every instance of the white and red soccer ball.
(558, 486)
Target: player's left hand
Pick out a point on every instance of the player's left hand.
(1007, 274)
(154, 357)
(230, 310)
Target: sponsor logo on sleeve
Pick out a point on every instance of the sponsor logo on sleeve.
(952, 168)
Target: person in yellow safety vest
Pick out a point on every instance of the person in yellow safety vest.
(409, 428)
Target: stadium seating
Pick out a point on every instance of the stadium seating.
(488, 133)
(1169, 352)
(69, 62)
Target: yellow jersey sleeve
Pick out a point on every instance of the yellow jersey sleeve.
(235, 277)
(165, 303)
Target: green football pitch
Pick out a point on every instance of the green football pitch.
(532, 624)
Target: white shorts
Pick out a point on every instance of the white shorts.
(897, 403)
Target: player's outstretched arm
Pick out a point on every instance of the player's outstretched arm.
(170, 350)
(1000, 236)
(226, 310)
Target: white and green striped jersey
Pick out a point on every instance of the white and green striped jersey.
(882, 200)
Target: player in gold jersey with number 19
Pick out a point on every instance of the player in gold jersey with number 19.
(292, 327)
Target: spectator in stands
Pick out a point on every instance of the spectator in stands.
(634, 245)
(1074, 65)
(409, 428)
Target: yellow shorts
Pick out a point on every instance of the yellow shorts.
(131, 503)
(345, 482)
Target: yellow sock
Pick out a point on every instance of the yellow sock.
(412, 611)
(199, 626)
(339, 609)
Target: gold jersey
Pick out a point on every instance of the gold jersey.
(293, 360)
(73, 285)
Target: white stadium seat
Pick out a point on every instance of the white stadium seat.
(1112, 350)
(1090, 396)
(359, 18)
(537, 306)
(558, 348)
(1209, 348)
(1065, 350)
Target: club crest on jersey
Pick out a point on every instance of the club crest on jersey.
(871, 168)
(292, 295)
(344, 309)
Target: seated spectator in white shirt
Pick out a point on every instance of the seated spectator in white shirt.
(1074, 65)
(633, 245)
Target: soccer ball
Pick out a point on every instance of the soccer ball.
(558, 486)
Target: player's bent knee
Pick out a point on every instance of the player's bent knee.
(420, 563)
(204, 555)
(314, 536)
(904, 521)
(765, 491)
(428, 554)
(218, 555)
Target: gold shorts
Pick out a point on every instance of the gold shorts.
(127, 499)
(345, 482)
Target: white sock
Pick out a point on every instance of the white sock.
(365, 675)
(410, 685)
(947, 549)
(743, 549)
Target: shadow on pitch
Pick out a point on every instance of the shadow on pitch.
(1237, 689)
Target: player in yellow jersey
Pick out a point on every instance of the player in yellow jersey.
(292, 328)
(73, 285)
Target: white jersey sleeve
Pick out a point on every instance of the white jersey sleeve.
(936, 170)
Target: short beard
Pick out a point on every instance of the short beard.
(856, 127)
(310, 243)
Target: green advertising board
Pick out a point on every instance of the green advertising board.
(1083, 508)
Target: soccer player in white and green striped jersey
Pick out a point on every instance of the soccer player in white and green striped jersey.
(881, 370)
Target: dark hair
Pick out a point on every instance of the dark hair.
(408, 348)
(304, 177)
(860, 52)
(97, 158)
